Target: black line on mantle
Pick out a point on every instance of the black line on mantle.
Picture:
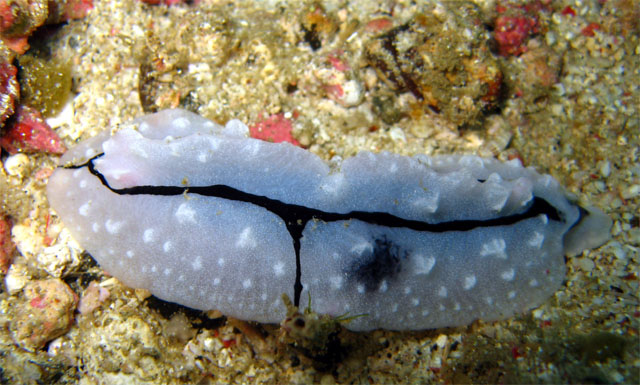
(296, 217)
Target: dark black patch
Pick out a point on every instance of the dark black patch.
(384, 262)
(311, 37)
(296, 217)
(83, 274)
(197, 318)
(292, 87)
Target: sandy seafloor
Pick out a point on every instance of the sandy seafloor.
(249, 60)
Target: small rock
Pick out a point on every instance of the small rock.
(60, 257)
(351, 94)
(179, 328)
(397, 135)
(441, 341)
(46, 312)
(585, 264)
(617, 250)
(533, 75)
(631, 191)
(16, 165)
(605, 168)
(16, 278)
(339, 81)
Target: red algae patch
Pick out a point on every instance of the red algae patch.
(275, 128)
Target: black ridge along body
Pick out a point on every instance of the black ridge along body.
(296, 218)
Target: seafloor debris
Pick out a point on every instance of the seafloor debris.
(171, 72)
(44, 313)
(442, 58)
(160, 84)
(317, 27)
(315, 336)
(532, 75)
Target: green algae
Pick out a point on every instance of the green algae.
(524, 354)
(44, 84)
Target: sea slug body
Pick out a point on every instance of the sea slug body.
(202, 215)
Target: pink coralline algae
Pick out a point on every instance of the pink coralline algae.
(45, 312)
(517, 21)
(9, 90)
(276, 128)
(28, 132)
(511, 32)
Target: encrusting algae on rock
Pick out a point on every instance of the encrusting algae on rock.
(45, 313)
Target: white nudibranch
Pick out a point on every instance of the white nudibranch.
(202, 215)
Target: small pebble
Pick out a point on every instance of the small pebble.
(605, 168)
(538, 313)
(16, 278)
(441, 341)
(617, 377)
(352, 93)
(397, 135)
(634, 236)
(585, 264)
(616, 249)
(631, 191)
(15, 165)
